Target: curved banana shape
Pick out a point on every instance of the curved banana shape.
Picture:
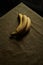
(28, 23)
(25, 22)
(20, 17)
(19, 26)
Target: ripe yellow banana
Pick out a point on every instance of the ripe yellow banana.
(20, 17)
(25, 22)
(28, 23)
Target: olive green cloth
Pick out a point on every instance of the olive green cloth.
(28, 50)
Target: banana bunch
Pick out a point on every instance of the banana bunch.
(25, 23)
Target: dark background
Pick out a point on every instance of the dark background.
(6, 5)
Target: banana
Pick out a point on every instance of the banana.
(25, 22)
(22, 24)
(28, 23)
(19, 26)
(20, 17)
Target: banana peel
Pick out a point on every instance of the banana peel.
(24, 26)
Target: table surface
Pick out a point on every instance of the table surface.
(28, 50)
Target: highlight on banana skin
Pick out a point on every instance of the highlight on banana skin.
(25, 23)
